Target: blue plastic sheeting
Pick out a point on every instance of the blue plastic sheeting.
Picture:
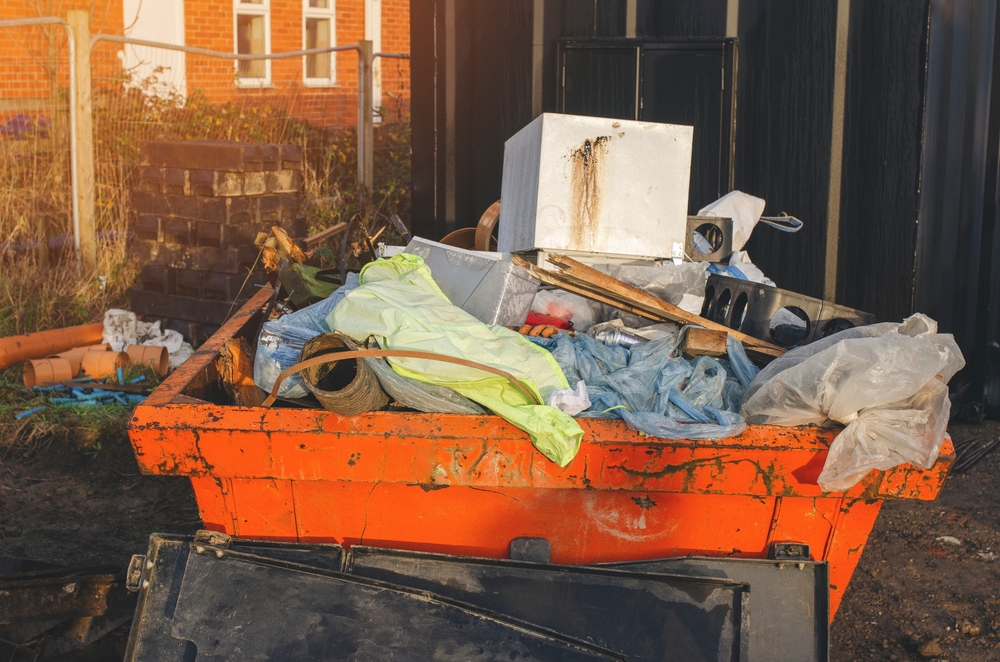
(654, 389)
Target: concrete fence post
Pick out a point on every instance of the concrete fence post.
(79, 22)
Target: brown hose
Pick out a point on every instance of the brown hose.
(399, 353)
(17, 349)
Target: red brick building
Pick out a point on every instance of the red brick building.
(319, 88)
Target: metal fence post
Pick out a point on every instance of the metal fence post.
(79, 21)
(366, 110)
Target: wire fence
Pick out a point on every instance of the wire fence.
(154, 92)
(36, 194)
(145, 91)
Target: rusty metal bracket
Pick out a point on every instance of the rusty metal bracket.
(789, 551)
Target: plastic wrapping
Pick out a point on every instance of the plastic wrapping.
(418, 395)
(400, 305)
(122, 328)
(570, 401)
(885, 382)
(740, 266)
(281, 341)
(680, 284)
(568, 307)
(654, 389)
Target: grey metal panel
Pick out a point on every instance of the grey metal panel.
(957, 216)
(790, 598)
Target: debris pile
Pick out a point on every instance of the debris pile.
(577, 317)
(124, 364)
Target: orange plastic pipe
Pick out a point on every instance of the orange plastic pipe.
(17, 349)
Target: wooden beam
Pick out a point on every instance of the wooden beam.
(79, 21)
(581, 273)
(312, 241)
(31, 105)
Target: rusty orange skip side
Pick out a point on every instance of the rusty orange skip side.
(470, 484)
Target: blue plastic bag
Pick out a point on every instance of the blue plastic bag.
(656, 390)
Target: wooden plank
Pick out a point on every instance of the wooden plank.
(315, 240)
(590, 278)
(29, 105)
(757, 349)
(548, 278)
(704, 342)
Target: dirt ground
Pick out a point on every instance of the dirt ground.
(918, 595)
(914, 596)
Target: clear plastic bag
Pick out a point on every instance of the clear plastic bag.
(885, 382)
(680, 284)
(281, 342)
(418, 395)
(569, 307)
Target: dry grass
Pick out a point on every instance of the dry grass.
(34, 297)
(39, 291)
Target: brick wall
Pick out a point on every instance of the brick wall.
(24, 52)
(210, 24)
(396, 39)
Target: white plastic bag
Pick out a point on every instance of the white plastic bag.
(569, 307)
(570, 401)
(744, 209)
(121, 329)
(885, 382)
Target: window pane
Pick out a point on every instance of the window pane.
(318, 36)
(250, 40)
(320, 4)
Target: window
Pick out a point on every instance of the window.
(318, 32)
(253, 37)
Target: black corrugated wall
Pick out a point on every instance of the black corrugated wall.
(915, 146)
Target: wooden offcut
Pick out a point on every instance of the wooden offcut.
(235, 367)
(704, 342)
(312, 241)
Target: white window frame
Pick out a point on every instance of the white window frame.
(248, 9)
(373, 33)
(329, 14)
